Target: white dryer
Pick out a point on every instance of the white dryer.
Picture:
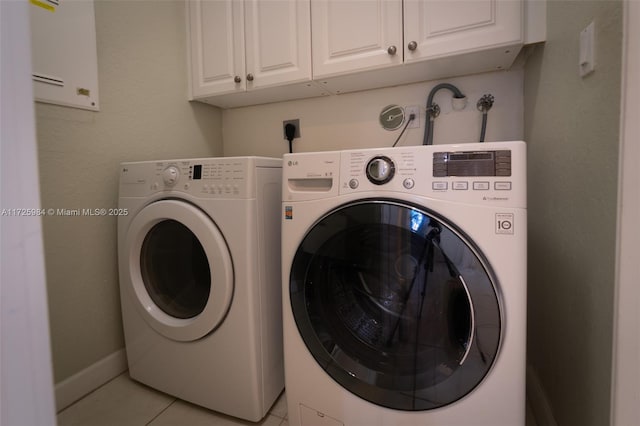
(199, 261)
(404, 285)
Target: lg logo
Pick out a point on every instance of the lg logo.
(292, 163)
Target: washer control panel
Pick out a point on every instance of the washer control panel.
(492, 171)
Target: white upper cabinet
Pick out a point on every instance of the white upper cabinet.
(247, 48)
(438, 28)
(439, 38)
(461, 37)
(352, 35)
(217, 47)
(278, 39)
(245, 52)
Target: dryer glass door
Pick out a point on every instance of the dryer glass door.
(175, 269)
(396, 304)
(180, 270)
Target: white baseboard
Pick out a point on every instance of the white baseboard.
(80, 384)
(538, 401)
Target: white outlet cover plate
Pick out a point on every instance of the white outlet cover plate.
(414, 109)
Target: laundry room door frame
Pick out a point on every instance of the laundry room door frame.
(626, 369)
(27, 381)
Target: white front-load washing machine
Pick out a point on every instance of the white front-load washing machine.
(404, 285)
(200, 286)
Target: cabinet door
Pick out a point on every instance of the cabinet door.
(278, 42)
(217, 46)
(442, 28)
(355, 35)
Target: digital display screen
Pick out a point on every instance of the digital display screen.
(197, 172)
(470, 156)
(472, 163)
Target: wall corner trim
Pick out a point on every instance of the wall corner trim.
(538, 401)
(80, 384)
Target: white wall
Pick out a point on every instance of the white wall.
(351, 120)
(144, 115)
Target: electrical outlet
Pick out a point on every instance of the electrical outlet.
(408, 110)
(295, 122)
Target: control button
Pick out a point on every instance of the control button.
(408, 183)
(440, 186)
(353, 183)
(186, 186)
(155, 186)
(502, 186)
(480, 186)
(460, 186)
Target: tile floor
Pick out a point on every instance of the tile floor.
(125, 402)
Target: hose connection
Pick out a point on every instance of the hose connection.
(433, 110)
(485, 103)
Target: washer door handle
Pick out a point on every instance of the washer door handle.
(472, 313)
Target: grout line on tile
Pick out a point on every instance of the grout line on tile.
(92, 392)
(162, 411)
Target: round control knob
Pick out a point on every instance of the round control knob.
(170, 175)
(353, 183)
(380, 170)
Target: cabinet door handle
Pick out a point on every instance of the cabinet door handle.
(237, 79)
(412, 45)
(249, 77)
(392, 50)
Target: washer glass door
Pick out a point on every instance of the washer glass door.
(396, 304)
(181, 275)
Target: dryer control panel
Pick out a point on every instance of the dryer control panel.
(223, 177)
